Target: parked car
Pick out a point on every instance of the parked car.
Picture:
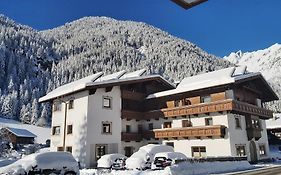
(112, 161)
(164, 159)
(61, 163)
(143, 158)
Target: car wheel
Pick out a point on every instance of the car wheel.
(70, 173)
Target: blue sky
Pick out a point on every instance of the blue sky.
(217, 26)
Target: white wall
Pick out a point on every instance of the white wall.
(214, 147)
(96, 115)
(78, 118)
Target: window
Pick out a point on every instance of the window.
(59, 148)
(128, 128)
(56, 130)
(150, 126)
(208, 121)
(106, 127)
(237, 122)
(57, 106)
(100, 151)
(198, 151)
(69, 129)
(186, 123)
(256, 123)
(262, 150)
(240, 150)
(205, 99)
(186, 102)
(167, 125)
(106, 102)
(71, 104)
(69, 149)
(177, 103)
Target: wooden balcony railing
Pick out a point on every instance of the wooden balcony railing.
(125, 94)
(131, 136)
(191, 132)
(129, 115)
(243, 107)
(202, 108)
(218, 106)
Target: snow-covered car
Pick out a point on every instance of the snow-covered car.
(61, 163)
(164, 159)
(112, 161)
(143, 158)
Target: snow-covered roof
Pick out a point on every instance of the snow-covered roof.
(21, 132)
(206, 80)
(99, 80)
(137, 73)
(274, 123)
(71, 87)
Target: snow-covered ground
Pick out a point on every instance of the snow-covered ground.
(42, 133)
(182, 169)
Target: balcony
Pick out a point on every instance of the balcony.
(131, 136)
(218, 106)
(125, 94)
(129, 115)
(191, 132)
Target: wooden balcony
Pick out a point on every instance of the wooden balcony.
(191, 132)
(131, 136)
(218, 106)
(129, 115)
(125, 94)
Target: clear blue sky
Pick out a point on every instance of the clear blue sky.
(217, 26)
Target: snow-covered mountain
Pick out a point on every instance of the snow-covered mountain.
(266, 61)
(35, 62)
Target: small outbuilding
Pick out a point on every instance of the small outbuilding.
(18, 136)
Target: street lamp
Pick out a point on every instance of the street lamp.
(65, 116)
(186, 4)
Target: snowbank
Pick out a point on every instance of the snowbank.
(184, 169)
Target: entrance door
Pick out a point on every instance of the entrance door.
(253, 152)
(100, 150)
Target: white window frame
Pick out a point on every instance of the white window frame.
(105, 104)
(108, 130)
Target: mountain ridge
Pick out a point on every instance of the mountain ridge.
(35, 62)
(268, 62)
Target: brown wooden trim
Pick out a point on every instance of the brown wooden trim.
(218, 106)
(125, 94)
(199, 132)
(126, 136)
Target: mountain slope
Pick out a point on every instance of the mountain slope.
(34, 62)
(266, 61)
(112, 45)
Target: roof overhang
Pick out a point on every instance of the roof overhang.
(114, 82)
